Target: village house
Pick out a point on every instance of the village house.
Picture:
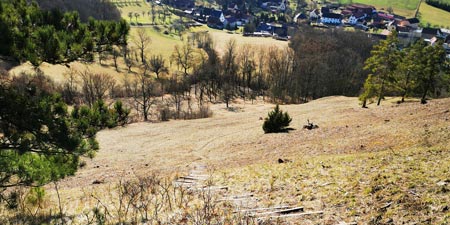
(356, 17)
(331, 18)
(314, 15)
(429, 33)
(414, 23)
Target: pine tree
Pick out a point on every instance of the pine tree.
(432, 69)
(277, 121)
(383, 63)
(40, 141)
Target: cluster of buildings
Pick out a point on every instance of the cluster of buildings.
(233, 16)
(360, 16)
(365, 17)
(230, 18)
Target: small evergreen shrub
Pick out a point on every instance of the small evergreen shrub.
(277, 121)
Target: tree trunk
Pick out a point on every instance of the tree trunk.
(380, 96)
(424, 97)
(364, 103)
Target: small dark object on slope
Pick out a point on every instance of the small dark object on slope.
(280, 160)
(310, 126)
(98, 182)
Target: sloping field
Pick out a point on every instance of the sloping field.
(235, 138)
(383, 165)
(401, 7)
(434, 16)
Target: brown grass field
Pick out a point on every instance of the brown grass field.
(334, 168)
(388, 164)
(235, 137)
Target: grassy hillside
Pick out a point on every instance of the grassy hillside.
(434, 16)
(402, 7)
(388, 187)
(386, 164)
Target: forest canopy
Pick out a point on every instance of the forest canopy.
(97, 9)
(35, 35)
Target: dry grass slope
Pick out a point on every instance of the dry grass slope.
(386, 164)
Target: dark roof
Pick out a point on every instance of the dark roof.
(231, 19)
(399, 17)
(207, 11)
(264, 27)
(359, 14)
(302, 16)
(214, 20)
(413, 20)
(216, 13)
(325, 10)
(332, 15)
(403, 29)
(362, 6)
(429, 30)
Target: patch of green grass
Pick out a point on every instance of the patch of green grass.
(401, 7)
(161, 43)
(433, 16)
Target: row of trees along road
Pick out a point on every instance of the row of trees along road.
(35, 35)
(418, 70)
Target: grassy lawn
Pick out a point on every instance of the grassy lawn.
(401, 7)
(161, 43)
(434, 16)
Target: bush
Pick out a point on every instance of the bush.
(277, 121)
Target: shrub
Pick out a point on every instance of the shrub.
(277, 121)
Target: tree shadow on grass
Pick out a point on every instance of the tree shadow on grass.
(285, 130)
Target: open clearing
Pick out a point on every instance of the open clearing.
(357, 161)
(235, 138)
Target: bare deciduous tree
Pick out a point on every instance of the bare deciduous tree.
(184, 57)
(247, 63)
(95, 86)
(143, 92)
(142, 42)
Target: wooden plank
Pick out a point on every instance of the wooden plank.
(240, 196)
(282, 211)
(344, 223)
(211, 188)
(191, 178)
(292, 215)
(263, 209)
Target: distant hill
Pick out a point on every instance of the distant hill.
(98, 9)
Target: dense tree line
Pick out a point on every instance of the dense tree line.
(35, 35)
(98, 9)
(420, 70)
(328, 63)
(444, 5)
